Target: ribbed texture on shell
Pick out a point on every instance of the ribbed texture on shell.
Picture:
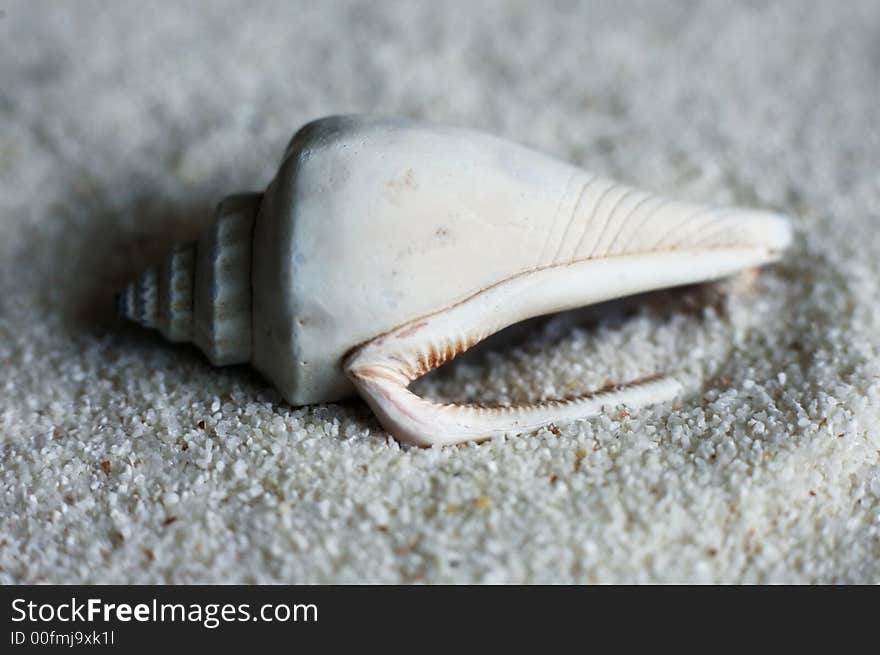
(598, 217)
(148, 291)
(222, 299)
(176, 280)
(202, 291)
(138, 301)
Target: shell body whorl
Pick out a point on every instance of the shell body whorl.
(384, 246)
(374, 222)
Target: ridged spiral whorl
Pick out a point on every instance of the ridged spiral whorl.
(202, 291)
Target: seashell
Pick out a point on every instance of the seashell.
(384, 247)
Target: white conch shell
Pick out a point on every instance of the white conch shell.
(384, 247)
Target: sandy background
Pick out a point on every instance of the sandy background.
(121, 126)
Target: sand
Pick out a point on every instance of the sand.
(126, 459)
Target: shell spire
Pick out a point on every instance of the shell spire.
(201, 292)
